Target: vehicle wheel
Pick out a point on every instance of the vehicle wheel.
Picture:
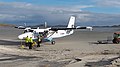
(53, 42)
(115, 41)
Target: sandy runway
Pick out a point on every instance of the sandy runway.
(63, 53)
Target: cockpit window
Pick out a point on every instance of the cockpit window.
(29, 30)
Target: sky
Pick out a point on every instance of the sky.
(54, 12)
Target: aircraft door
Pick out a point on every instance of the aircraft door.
(35, 35)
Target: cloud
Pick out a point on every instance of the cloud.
(20, 12)
(108, 3)
(99, 19)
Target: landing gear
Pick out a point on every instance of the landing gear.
(53, 42)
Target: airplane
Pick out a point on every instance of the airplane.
(52, 32)
(21, 26)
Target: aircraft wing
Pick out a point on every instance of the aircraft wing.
(22, 27)
(56, 29)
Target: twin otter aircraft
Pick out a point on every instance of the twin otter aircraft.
(52, 32)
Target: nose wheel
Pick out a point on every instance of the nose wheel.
(53, 42)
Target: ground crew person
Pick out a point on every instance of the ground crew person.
(30, 41)
(26, 41)
(45, 34)
(39, 40)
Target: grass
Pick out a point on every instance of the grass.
(6, 25)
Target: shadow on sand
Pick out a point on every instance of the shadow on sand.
(101, 62)
(5, 42)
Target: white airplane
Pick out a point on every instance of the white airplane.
(21, 26)
(52, 32)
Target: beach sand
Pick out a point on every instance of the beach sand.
(78, 50)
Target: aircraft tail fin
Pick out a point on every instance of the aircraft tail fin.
(71, 22)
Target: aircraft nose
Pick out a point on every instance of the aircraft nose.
(20, 37)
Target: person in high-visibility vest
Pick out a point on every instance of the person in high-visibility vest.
(30, 41)
(26, 41)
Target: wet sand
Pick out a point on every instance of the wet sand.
(76, 50)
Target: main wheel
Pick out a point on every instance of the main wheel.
(53, 42)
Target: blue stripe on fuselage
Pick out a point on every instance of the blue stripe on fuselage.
(47, 40)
